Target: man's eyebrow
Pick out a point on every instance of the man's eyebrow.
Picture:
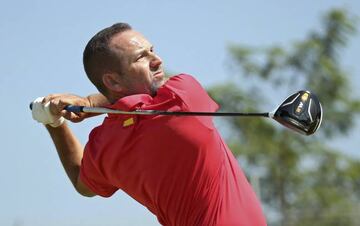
(140, 51)
(144, 49)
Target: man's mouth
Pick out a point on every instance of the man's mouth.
(159, 74)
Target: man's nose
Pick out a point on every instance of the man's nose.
(155, 62)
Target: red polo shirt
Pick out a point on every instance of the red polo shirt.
(178, 167)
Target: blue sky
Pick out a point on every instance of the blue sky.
(41, 49)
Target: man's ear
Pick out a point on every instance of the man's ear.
(112, 82)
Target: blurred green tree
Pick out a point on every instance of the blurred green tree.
(303, 181)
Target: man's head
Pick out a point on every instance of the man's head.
(120, 62)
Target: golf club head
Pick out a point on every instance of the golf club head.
(301, 112)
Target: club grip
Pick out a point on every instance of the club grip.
(71, 108)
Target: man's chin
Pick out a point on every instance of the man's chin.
(156, 85)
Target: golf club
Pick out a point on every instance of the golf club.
(300, 112)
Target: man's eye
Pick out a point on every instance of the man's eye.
(140, 57)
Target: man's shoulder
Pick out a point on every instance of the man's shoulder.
(183, 81)
(183, 76)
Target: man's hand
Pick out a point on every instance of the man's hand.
(41, 113)
(57, 103)
(49, 109)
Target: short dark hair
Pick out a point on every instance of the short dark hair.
(98, 58)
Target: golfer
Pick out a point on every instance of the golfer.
(178, 167)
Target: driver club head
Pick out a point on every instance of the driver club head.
(301, 112)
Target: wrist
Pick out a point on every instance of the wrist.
(60, 127)
(60, 121)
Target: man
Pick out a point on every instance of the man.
(177, 167)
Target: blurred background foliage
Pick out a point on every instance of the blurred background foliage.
(301, 180)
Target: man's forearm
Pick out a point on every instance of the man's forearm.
(69, 149)
(98, 100)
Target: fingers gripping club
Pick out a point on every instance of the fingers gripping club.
(41, 113)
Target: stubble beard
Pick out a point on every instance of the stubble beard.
(155, 85)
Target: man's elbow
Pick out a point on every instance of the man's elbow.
(83, 190)
(85, 193)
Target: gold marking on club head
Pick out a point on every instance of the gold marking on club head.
(299, 108)
(304, 97)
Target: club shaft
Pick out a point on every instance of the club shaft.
(100, 110)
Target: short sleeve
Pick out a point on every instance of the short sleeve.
(90, 173)
(193, 95)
